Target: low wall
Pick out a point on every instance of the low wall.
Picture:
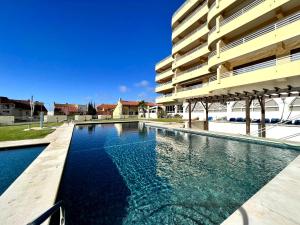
(83, 118)
(55, 119)
(275, 132)
(104, 117)
(7, 120)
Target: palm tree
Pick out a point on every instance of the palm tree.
(143, 106)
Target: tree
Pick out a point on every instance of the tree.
(143, 106)
(91, 109)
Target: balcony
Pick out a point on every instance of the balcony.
(215, 9)
(192, 19)
(164, 64)
(192, 91)
(164, 86)
(281, 69)
(258, 42)
(254, 13)
(191, 56)
(164, 75)
(164, 98)
(191, 73)
(183, 10)
(192, 38)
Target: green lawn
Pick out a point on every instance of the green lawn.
(16, 132)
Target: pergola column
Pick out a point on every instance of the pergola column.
(248, 119)
(263, 116)
(190, 114)
(205, 106)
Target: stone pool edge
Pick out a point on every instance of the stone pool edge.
(35, 190)
(278, 202)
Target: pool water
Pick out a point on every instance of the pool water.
(129, 174)
(13, 162)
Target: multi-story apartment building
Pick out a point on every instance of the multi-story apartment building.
(231, 48)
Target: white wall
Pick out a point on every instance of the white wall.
(275, 132)
(55, 119)
(104, 117)
(83, 117)
(7, 120)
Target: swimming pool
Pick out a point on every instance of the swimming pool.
(13, 162)
(129, 174)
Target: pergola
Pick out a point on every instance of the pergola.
(246, 96)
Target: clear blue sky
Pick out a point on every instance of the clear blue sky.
(80, 50)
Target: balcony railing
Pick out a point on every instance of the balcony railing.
(270, 28)
(192, 69)
(163, 60)
(163, 73)
(212, 78)
(191, 52)
(162, 84)
(212, 30)
(241, 12)
(263, 65)
(191, 15)
(189, 35)
(164, 96)
(211, 54)
(191, 87)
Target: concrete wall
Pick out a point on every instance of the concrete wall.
(276, 132)
(7, 120)
(104, 117)
(83, 117)
(55, 119)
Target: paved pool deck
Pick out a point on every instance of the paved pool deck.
(35, 190)
(277, 203)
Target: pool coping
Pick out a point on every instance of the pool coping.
(278, 202)
(35, 190)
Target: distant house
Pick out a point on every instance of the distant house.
(106, 109)
(69, 109)
(20, 109)
(127, 109)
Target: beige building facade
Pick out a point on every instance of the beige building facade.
(227, 47)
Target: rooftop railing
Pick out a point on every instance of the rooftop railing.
(270, 28)
(191, 51)
(241, 12)
(190, 34)
(192, 69)
(191, 15)
(162, 84)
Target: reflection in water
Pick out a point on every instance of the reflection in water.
(164, 177)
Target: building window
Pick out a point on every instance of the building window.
(170, 109)
(179, 109)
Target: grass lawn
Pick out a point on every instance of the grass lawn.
(16, 132)
(177, 120)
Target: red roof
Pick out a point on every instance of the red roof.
(136, 103)
(106, 106)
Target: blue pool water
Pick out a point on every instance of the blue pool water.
(126, 174)
(13, 162)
